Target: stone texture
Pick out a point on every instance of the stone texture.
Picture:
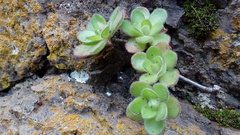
(55, 105)
(36, 33)
(214, 60)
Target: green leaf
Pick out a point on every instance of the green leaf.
(148, 78)
(173, 108)
(95, 38)
(84, 50)
(158, 15)
(133, 47)
(148, 93)
(136, 88)
(156, 28)
(145, 29)
(144, 11)
(170, 78)
(90, 27)
(129, 29)
(137, 61)
(152, 52)
(146, 22)
(133, 116)
(98, 22)
(162, 70)
(160, 38)
(106, 32)
(163, 47)
(83, 36)
(170, 58)
(162, 92)
(116, 19)
(162, 112)
(153, 127)
(147, 112)
(147, 65)
(136, 105)
(138, 15)
(144, 39)
(153, 103)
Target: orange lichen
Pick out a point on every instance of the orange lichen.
(189, 130)
(236, 21)
(227, 54)
(18, 30)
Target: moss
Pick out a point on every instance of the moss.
(201, 18)
(224, 117)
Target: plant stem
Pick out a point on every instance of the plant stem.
(215, 88)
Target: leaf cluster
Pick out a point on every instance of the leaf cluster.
(145, 28)
(98, 33)
(152, 105)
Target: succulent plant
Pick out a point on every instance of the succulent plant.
(158, 62)
(98, 33)
(145, 28)
(152, 105)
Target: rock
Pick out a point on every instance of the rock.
(55, 105)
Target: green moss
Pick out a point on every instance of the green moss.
(201, 18)
(224, 117)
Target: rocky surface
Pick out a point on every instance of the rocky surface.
(57, 105)
(37, 39)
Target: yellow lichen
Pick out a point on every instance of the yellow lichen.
(191, 129)
(227, 54)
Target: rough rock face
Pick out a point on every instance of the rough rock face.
(214, 60)
(37, 36)
(55, 105)
(36, 32)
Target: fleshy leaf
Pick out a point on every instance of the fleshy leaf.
(137, 17)
(162, 112)
(147, 112)
(98, 22)
(156, 28)
(87, 50)
(146, 22)
(137, 61)
(160, 38)
(105, 33)
(152, 52)
(133, 116)
(147, 65)
(153, 103)
(163, 46)
(144, 11)
(145, 29)
(116, 19)
(144, 39)
(170, 57)
(173, 108)
(136, 105)
(170, 78)
(129, 29)
(148, 93)
(136, 88)
(153, 127)
(162, 92)
(163, 69)
(133, 47)
(83, 36)
(158, 15)
(148, 78)
(95, 38)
